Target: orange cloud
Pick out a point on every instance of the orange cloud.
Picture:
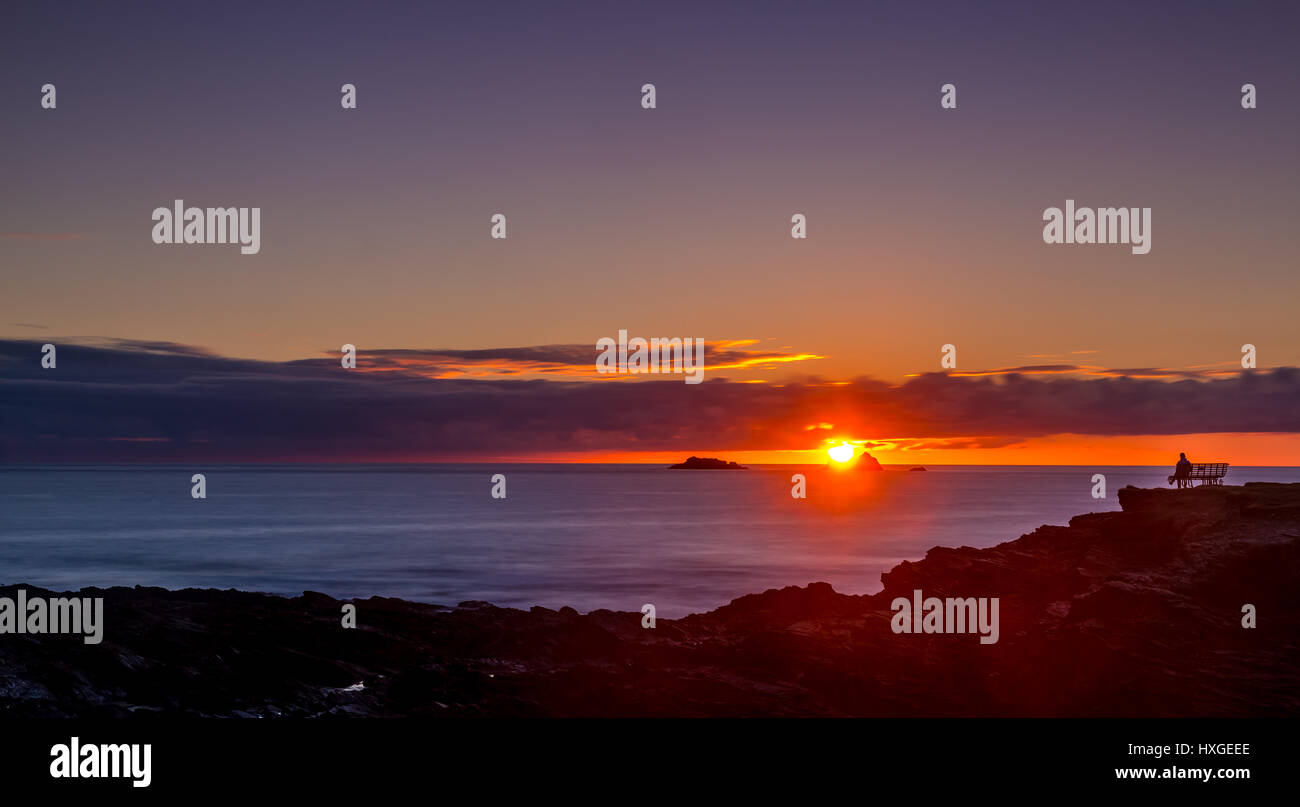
(576, 362)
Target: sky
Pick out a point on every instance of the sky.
(924, 227)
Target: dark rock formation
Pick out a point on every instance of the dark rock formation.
(916, 468)
(707, 464)
(1136, 612)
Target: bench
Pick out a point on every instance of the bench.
(1207, 473)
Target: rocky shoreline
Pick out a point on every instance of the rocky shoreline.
(1132, 613)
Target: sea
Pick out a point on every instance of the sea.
(582, 535)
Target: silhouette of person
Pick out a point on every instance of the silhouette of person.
(1182, 471)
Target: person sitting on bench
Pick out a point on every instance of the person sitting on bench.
(1182, 471)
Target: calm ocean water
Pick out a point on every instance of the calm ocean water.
(589, 536)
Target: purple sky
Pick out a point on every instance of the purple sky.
(924, 224)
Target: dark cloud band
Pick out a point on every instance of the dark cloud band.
(119, 401)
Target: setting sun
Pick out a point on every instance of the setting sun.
(842, 452)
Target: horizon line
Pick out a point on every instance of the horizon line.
(4, 463)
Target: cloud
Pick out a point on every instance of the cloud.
(573, 361)
(946, 444)
(125, 400)
(1199, 371)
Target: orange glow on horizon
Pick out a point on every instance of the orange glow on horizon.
(1061, 449)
